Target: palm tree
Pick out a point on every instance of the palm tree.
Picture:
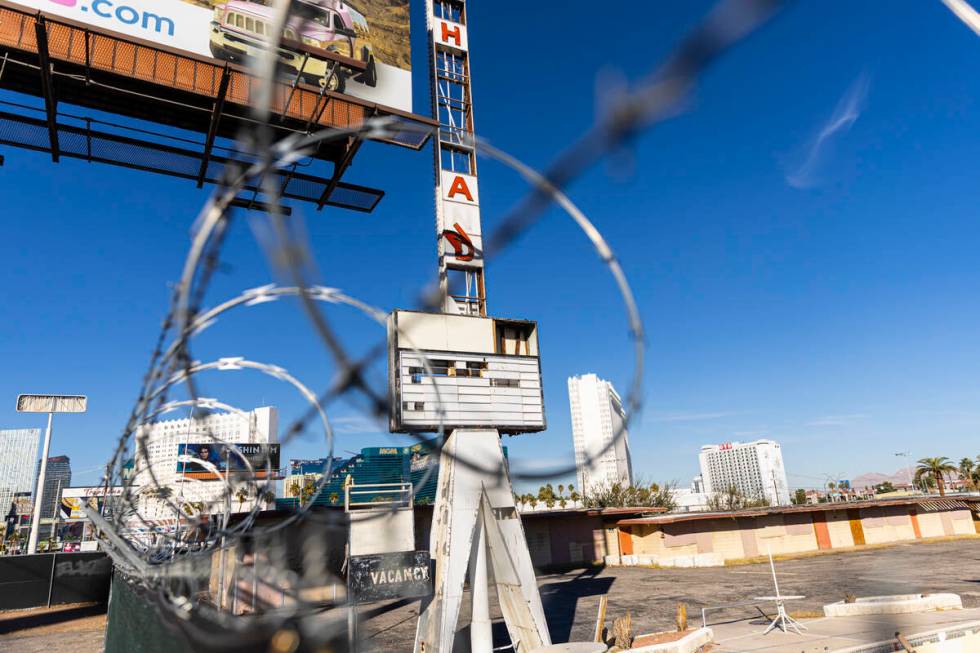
(242, 495)
(966, 470)
(573, 493)
(546, 494)
(269, 498)
(935, 468)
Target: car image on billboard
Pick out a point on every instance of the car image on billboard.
(241, 30)
(373, 36)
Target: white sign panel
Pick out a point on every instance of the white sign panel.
(451, 34)
(52, 403)
(457, 187)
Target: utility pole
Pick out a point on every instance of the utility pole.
(908, 465)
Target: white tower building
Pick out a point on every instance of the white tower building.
(163, 439)
(18, 457)
(597, 419)
(754, 468)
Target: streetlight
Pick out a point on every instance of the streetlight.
(49, 404)
(908, 465)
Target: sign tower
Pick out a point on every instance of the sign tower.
(473, 376)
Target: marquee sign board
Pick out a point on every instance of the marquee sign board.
(462, 371)
(385, 576)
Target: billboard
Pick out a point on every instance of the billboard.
(75, 499)
(199, 460)
(372, 33)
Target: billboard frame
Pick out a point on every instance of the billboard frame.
(214, 104)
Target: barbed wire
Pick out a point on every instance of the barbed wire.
(167, 558)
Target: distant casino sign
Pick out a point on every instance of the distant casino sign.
(387, 576)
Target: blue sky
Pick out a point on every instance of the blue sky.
(826, 298)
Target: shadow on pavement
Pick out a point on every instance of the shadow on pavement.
(47, 618)
(560, 600)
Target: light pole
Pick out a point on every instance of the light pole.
(908, 465)
(49, 404)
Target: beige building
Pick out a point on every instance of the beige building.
(711, 539)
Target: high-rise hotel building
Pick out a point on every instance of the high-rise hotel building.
(754, 468)
(602, 453)
(156, 468)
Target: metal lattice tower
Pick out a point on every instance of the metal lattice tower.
(460, 237)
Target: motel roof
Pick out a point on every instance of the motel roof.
(592, 512)
(926, 504)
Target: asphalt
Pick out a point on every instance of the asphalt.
(651, 595)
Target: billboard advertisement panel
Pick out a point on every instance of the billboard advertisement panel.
(241, 458)
(372, 32)
(75, 499)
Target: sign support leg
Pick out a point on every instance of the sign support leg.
(475, 518)
(481, 631)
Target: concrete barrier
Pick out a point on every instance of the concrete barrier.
(687, 644)
(963, 638)
(894, 604)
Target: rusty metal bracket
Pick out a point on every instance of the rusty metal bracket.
(219, 107)
(292, 87)
(47, 86)
(319, 108)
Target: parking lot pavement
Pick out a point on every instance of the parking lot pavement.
(651, 595)
(75, 628)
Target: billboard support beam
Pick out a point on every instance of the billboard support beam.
(292, 87)
(47, 86)
(340, 167)
(219, 107)
(88, 58)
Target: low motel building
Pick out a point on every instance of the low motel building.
(711, 539)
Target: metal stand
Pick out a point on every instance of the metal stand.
(475, 525)
(782, 620)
